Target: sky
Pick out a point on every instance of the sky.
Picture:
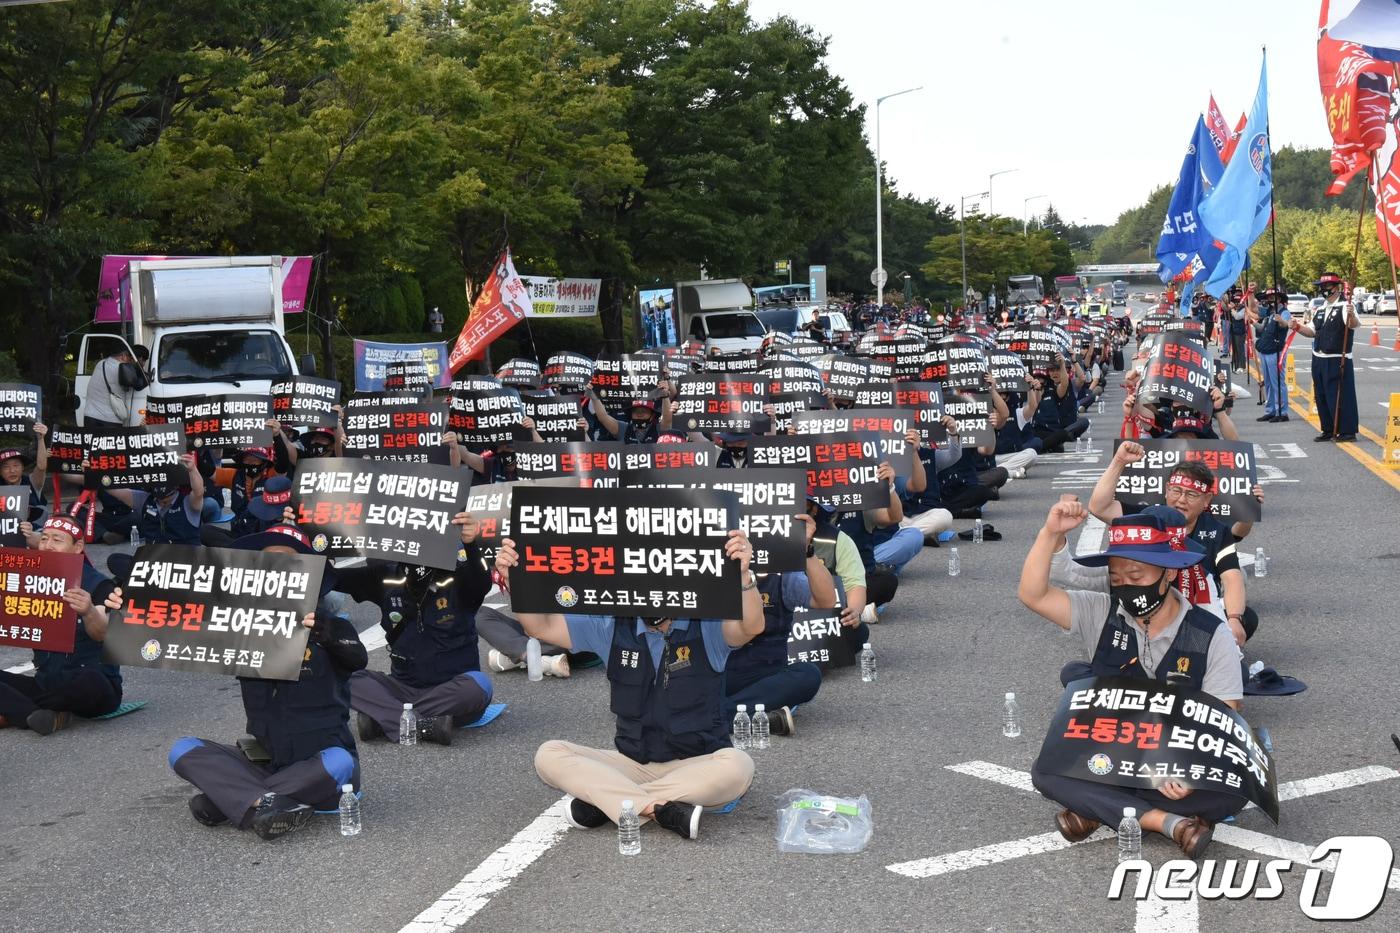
(1091, 101)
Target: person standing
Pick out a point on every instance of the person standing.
(1271, 325)
(1333, 376)
(435, 321)
(112, 388)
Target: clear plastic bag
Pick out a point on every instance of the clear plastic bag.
(812, 822)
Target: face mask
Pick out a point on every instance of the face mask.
(318, 450)
(640, 426)
(737, 454)
(1140, 601)
(508, 461)
(252, 467)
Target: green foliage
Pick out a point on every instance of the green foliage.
(997, 248)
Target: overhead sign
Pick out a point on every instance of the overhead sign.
(550, 297)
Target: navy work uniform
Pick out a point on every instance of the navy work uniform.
(1332, 342)
(75, 683)
(429, 622)
(304, 725)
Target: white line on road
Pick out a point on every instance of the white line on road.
(496, 871)
(996, 773)
(1155, 915)
(991, 855)
(1338, 781)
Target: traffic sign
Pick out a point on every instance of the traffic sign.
(878, 277)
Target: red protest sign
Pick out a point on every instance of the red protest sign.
(32, 611)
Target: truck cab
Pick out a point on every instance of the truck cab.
(213, 326)
(718, 313)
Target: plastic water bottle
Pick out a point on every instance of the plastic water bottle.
(135, 536)
(977, 531)
(1261, 563)
(1089, 441)
(629, 830)
(1255, 668)
(534, 661)
(743, 729)
(1129, 836)
(1011, 718)
(761, 732)
(867, 664)
(408, 726)
(349, 811)
(228, 499)
(954, 564)
(1100, 404)
(1079, 444)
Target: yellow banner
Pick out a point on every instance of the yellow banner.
(1392, 433)
(1290, 373)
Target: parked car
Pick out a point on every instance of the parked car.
(1297, 303)
(1386, 305)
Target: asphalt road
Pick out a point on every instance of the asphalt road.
(95, 834)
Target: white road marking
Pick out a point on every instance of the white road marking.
(996, 773)
(992, 854)
(496, 871)
(1340, 780)
(1155, 915)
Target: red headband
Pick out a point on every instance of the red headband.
(291, 532)
(66, 525)
(277, 498)
(1138, 534)
(1186, 482)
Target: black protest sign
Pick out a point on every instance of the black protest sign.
(626, 552)
(410, 433)
(305, 402)
(721, 403)
(904, 354)
(410, 377)
(556, 417)
(1009, 371)
(739, 362)
(1035, 345)
(1153, 323)
(520, 372)
(818, 638)
(1236, 474)
(844, 375)
(769, 500)
(891, 424)
(805, 349)
(791, 378)
(215, 611)
(164, 410)
(1190, 326)
(957, 364)
(67, 447)
(490, 506)
(1178, 372)
(973, 413)
(21, 405)
(228, 421)
(568, 370)
(32, 611)
(1132, 732)
(382, 509)
(135, 458)
(924, 400)
(786, 405)
(600, 463)
(485, 417)
(475, 383)
(14, 509)
(841, 468)
(620, 380)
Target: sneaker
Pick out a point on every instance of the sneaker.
(556, 665)
(48, 721)
(367, 727)
(869, 615)
(780, 721)
(500, 663)
(581, 814)
(280, 817)
(436, 729)
(205, 812)
(683, 819)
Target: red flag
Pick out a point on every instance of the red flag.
(1356, 98)
(1216, 126)
(1234, 138)
(504, 302)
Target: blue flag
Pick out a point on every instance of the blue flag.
(1183, 234)
(1184, 309)
(1238, 210)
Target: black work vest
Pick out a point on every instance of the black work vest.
(682, 718)
(1187, 655)
(437, 640)
(770, 647)
(1272, 333)
(295, 720)
(1330, 330)
(853, 524)
(174, 527)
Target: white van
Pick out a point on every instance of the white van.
(727, 331)
(213, 325)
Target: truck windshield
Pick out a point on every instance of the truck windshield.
(734, 325)
(780, 319)
(221, 356)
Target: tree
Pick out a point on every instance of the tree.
(996, 249)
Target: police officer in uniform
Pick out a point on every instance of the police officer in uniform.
(64, 684)
(1333, 376)
(673, 755)
(429, 620)
(1141, 628)
(303, 725)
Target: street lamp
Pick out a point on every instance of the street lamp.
(877, 275)
(1026, 215)
(991, 211)
(962, 235)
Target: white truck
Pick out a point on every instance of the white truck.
(213, 325)
(719, 314)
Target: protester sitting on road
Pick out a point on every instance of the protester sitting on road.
(643, 424)
(885, 546)
(20, 468)
(1142, 629)
(959, 489)
(1057, 417)
(673, 752)
(510, 645)
(919, 513)
(166, 514)
(1190, 490)
(429, 621)
(318, 442)
(759, 672)
(1017, 447)
(64, 684)
(262, 512)
(496, 465)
